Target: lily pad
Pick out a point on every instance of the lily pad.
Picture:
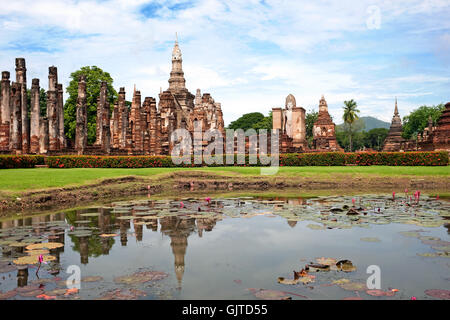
(269, 294)
(369, 239)
(141, 277)
(33, 259)
(438, 293)
(354, 286)
(380, 293)
(92, 279)
(46, 245)
(8, 294)
(122, 294)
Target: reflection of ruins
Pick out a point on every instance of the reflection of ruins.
(178, 230)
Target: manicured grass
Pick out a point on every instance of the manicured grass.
(14, 180)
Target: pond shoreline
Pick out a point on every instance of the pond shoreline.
(189, 183)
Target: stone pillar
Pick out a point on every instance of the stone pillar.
(21, 78)
(35, 117)
(115, 120)
(43, 135)
(154, 132)
(101, 101)
(123, 118)
(60, 108)
(5, 112)
(81, 130)
(135, 122)
(16, 118)
(52, 114)
(277, 119)
(298, 127)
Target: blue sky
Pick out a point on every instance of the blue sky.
(248, 54)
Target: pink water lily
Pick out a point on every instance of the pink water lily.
(41, 258)
(353, 201)
(413, 298)
(181, 204)
(393, 195)
(208, 199)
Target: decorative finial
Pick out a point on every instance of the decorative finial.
(176, 37)
(396, 108)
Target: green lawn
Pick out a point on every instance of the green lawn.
(14, 180)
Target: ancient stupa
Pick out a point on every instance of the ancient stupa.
(394, 138)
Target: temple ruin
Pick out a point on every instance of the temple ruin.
(291, 124)
(394, 140)
(142, 129)
(291, 121)
(146, 127)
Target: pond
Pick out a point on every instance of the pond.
(232, 248)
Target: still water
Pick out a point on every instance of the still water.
(232, 248)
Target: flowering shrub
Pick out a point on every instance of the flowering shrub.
(440, 158)
(20, 161)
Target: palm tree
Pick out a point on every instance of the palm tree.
(350, 116)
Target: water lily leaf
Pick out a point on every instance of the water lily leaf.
(341, 281)
(46, 245)
(345, 265)
(427, 238)
(443, 248)
(326, 261)
(354, 286)
(108, 235)
(141, 277)
(288, 281)
(31, 287)
(18, 244)
(438, 293)
(33, 293)
(315, 227)
(369, 239)
(410, 234)
(92, 279)
(37, 252)
(125, 217)
(435, 254)
(46, 297)
(90, 214)
(122, 294)
(380, 293)
(8, 294)
(269, 294)
(33, 259)
(56, 292)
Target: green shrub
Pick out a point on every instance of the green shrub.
(20, 161)
(435, 158)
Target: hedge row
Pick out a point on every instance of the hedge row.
(299, 159)
(20, 161)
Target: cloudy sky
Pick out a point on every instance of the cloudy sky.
(248, 54)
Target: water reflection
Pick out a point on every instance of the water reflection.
(93, 232)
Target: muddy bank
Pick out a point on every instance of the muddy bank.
(197, 182)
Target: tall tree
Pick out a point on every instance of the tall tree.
(417, 120)
(94, 77)
(310, 118)
(247, 121)
(350, 115)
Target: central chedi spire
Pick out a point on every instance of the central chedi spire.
(176, 80)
